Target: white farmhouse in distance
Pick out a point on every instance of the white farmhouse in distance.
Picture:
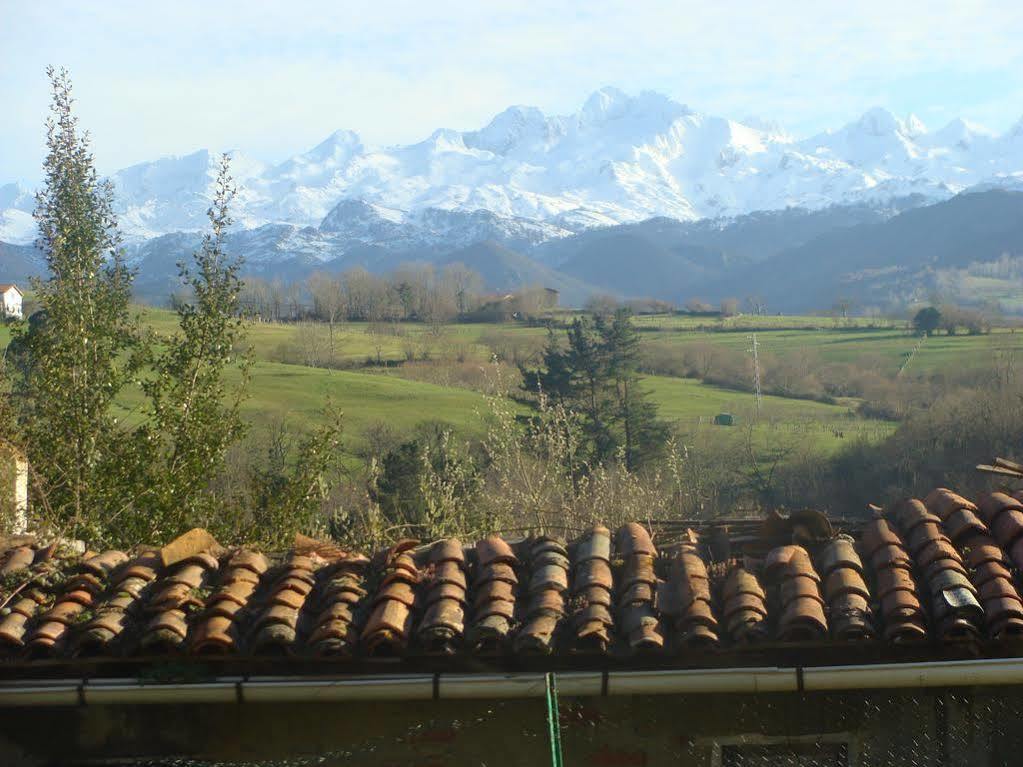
(10, 300)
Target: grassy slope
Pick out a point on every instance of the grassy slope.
(692, 405)
(298, 394)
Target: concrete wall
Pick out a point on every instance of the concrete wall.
(962, 727)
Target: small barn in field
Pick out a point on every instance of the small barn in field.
(11, 301)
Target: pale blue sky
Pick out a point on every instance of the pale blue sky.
(272, 79)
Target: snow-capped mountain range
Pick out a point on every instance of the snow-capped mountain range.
(530, 177)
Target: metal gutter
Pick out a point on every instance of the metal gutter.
(74, 692)
(732, 680)
(963, 673)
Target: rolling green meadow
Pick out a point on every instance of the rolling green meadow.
(399, 375)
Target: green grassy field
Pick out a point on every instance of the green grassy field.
(692, 405)
(297, 394)
(361, 341)
(831, 339)
(886, 350)
(758, 321)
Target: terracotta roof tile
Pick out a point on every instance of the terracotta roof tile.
(17, 558)
(633, 539)
(962, 525)
(443, 624)
(336, 627)
(591, 621)
(494, 550)
(594, 545)
(636, 618)
(944, 567)
(955, 611)
(449, 550)
(901, 613)
(102, 564)
(543, 603)
(944, 502)
(12, 629)
(685, 597)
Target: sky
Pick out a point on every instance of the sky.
(275, 78)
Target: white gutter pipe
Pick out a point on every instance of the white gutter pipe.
(73, 692)
(735, 680)
(964, 673)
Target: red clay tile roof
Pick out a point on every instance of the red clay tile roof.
(937, 572)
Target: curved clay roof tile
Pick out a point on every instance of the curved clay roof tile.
(594, 545)
(18, 558)
(1008, 526)
(741, 581)
(634, 539)
(839, 553)
(963, 525)
(449, 550)
(593, 572)
(992, 505)
(494, 550)
(249, 560)
(912, 512)
(105, 563)
(943, 502)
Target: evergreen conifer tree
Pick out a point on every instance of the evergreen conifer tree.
(596, 374)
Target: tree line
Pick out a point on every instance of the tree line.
(411, 292)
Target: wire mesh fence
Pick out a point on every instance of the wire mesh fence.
(920, 729)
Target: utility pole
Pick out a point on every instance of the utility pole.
(754, 347)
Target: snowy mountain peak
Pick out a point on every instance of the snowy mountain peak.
(525, 175)
(770, 128)
(914, 126)
(357, 218)
(514, 127)
(1016, 130)
(878, 121)
(604, 104)
(338, 141)
(960, 134)
(316, 165)
(609, 104)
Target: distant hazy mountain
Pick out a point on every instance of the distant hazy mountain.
(19, 262)
(794, 260)
(619, 159)
(894, 261)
